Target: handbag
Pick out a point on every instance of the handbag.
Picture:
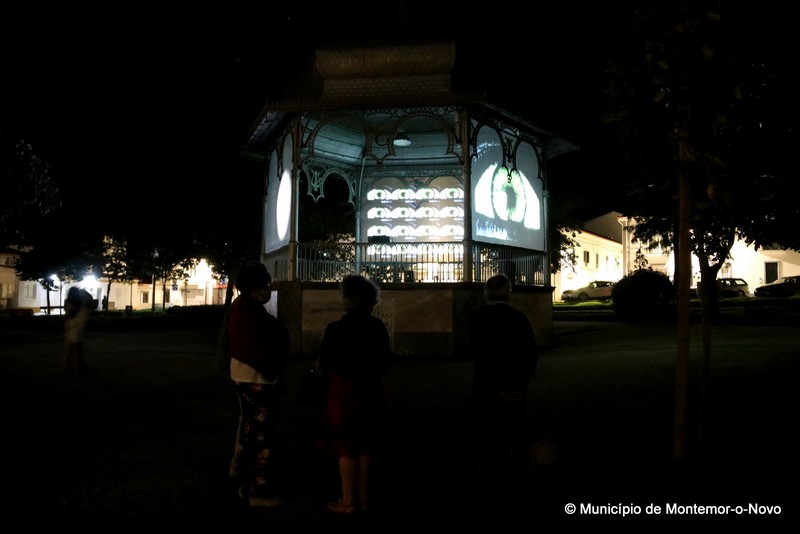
(313, 389)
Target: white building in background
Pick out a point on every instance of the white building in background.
(606, 251)
(759, 267)
(597, 257)
(201, 288)
(8, 278)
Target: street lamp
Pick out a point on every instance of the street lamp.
(153, 296)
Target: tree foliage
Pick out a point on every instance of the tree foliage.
(705, 91)
(53, 264)
(328, 218)
(114, 263)
(29, 193)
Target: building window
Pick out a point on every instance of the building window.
(29, 291)
(586, 257)
(144, 297)
(597, 261)
(193, 293)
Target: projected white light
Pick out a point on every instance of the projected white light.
(283, 209)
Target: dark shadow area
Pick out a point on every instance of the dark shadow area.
(144, 440)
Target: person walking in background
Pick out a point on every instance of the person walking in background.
(258, 345)
(78, 307)
(504, 355)
(355, 351)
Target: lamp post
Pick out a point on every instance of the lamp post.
(56, 284)
(153, 298)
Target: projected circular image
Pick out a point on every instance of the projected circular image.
(403, 194)
(402, 231)
(451, 211)
(378, 194)
(426, 212)
(425, 193)
(379, 230)
(401, 213)
(451, 230)
(508, 195)
(451, 192)
(283, 209)
(426, 230)
(378, 213)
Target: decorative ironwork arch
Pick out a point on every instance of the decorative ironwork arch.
(386, 138)
(474, 140)
(310, 140)
(534, 144)
(317, 172)
(509, 145)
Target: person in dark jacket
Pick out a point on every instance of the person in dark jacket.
(258, 345)
(354, 353)
(504, 354)
(78, 307)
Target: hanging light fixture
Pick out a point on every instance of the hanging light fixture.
(401, 139)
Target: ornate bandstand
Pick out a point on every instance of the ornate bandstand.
(445, 191)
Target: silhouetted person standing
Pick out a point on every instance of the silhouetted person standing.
(355, 351)
(504, 355)
(78, 307)
(258, 346)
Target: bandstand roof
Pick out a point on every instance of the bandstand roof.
(380, 78)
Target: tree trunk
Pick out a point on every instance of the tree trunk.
(108, 294)
(682, 362)
(709, 298)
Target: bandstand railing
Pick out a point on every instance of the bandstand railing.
(407, 262)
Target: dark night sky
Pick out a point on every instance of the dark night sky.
(156, 103)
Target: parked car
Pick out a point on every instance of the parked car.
(785, 286)
(728, 288)
(732, 287)
(597, 290)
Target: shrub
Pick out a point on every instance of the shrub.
(641, 293)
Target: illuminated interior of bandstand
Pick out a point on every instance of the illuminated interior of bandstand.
(437, 196)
